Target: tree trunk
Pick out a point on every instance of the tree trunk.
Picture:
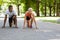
(57, 10)
(18, 10)
(54, 6)
(45, 9)
(37, 8)
(0, 7)
(50, 11)
(50, 8)
(18, 4)
(54, 10)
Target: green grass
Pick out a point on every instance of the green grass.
(42, 17)
(52, 21)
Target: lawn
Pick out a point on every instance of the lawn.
(52, 21)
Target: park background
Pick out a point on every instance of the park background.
(44, 8)
(47, 18)
(41, 7)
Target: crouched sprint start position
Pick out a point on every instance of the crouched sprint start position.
(12, 17)
(29, 18)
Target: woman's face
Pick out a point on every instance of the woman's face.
(30, 10)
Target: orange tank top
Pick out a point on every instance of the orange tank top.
(28, 14)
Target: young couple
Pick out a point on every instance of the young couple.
(29, 18)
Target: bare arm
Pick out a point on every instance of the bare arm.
(5, 20)
(15, 18)
(24, 22)
(34, 20)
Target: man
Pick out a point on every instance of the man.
(29, 18)
(12, 17)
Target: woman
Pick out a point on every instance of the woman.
(29, 18)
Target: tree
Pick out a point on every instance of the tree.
(58, 3)
(17, 3)
(37, 7)
(32, 3)
(1, 2)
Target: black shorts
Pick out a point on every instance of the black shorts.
(11, 20)
(28, 18)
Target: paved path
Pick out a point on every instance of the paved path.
(46, 31)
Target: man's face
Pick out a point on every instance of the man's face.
(10, 9)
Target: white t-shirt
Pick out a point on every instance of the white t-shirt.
(10, 14)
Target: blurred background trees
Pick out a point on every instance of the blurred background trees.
(41, 7)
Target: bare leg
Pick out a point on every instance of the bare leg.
(15, 21)
(29, 24)
(10, 24)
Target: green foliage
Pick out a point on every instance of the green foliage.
(1, 2)
(32, 3)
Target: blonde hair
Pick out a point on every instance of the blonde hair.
(30, 9)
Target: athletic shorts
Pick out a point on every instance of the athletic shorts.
(28, 18)
(11, 19)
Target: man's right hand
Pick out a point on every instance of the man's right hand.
(4, 21)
